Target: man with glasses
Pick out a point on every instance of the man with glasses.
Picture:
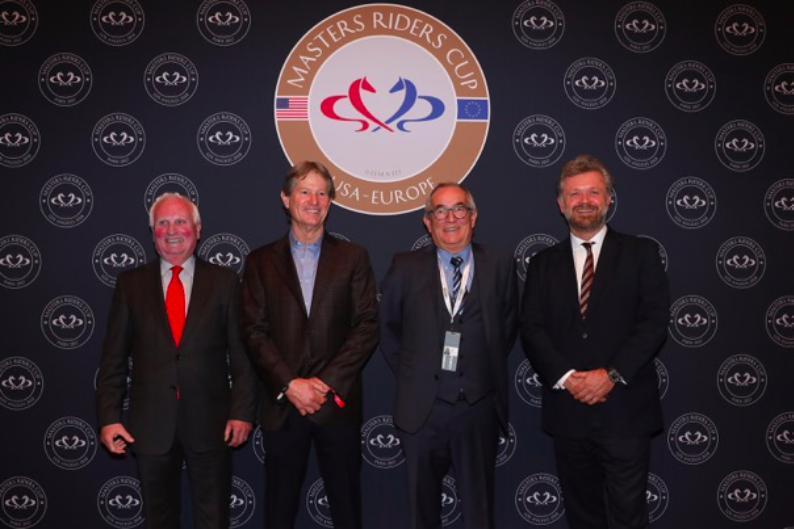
(448, 322)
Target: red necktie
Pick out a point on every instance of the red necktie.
(175, 304)
(587, 279)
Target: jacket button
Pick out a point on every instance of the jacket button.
(584, 336)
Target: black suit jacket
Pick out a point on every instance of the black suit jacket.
(332, 343)
(626, 325)
(411, 315)
(138, 328)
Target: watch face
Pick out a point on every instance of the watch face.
(614, 376)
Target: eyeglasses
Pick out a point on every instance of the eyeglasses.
(459, 212)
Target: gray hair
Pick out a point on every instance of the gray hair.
(469, 197)
(193, 207)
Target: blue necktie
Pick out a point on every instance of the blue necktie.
(457, 276)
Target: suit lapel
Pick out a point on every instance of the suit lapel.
(282, 259)
(482, 269)
(198, 296)
(570, 283)
(326, 268)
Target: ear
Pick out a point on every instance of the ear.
(473, 216)
(560, 203)
(198, 231)
(285, 200)
(427, 222)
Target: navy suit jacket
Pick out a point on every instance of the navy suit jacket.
(412, 314)
(626, 325)
(138, 329)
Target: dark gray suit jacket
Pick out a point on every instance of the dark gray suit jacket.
(138, 328)
(626, 325)
(411, 318)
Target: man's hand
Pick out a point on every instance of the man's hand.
(236, 432)
(115, 438)
(307, 394)
(589, 387)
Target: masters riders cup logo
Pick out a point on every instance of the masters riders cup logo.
(742, 496)
(70, 443)
(539, 499)
(20, 261)
(114, 254)
(780, 437)
(528, 248)
(381, 446)
(21, 383)
(693, 438)
(779, 204)
(66, 200)
(657, 497)
(18, 22)
(780, 321)
(242, 502)
(23, 502)
(390, 99)
(120, 502)
(693, 321)
(67, 322)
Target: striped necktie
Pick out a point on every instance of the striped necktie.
(457, 276)
(587, 279)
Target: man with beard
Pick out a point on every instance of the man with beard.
(594, 315)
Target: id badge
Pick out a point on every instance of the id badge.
(449, 357)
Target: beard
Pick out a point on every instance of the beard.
(594, 220)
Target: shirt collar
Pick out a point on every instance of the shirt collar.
(598, 239)
(295, 244)
(445, 256)
(188, 266)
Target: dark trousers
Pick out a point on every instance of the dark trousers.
(210, 478)
(338, 450)
(604, 480)
(462, 436)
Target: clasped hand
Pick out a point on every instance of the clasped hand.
(589, 387)
(307, 394)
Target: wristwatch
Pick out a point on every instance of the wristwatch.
(614, 376)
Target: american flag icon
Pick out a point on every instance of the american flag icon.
(292, 107)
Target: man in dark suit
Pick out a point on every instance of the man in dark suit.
(594, 315)
(448, 322)
(310, 324)
(177, 319)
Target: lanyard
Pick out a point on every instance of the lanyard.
(463, 284)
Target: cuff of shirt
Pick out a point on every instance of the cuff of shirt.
(561, 382)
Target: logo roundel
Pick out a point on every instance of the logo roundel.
(242, 502)
(66, 200)
(779, 88)
(741, 262)
(528, 384)
(21, 383)
(590, 83)
(20, 261)
(539, 141)
(528, 248)
(742, 496)
(640, 27)
(693, 438)
(657, 497)
(18, 22)
(67, 322)
(539, 499)
(690, 86)
(115, 254)
(65, 79)
(780, 437)
(23, 502)
(171, 79)
(641, 143)
(117, 22)
(450, 502)
(223, 22)
(740, 145)
(693, 321)
(662, 377)
(390, 99)
(506, 446)
(170, 183)
(538, 24)
(19, 140)
(691, 202)
(741, 380)
(779, 204)
(780, 321)
(120, 502)
(225, 249)
(118, 139)
(381, 445)
(317, 504)
(70, 443)
(740, 29)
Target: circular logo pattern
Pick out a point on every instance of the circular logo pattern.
(23, 502)
(118, 139)
(21, 383)
(395, 99)
(662, 377)
(779, 204)
(225, 249)
(19, 140)
(120, 502)
(740, 29)
(691, 202)
(528, 384)
(258, 444)
(421, 242)
(693, 321)
(662, 251)
(740, 145)
(242, 503)
(539, 141)
(317, 504)
(741, 380)
(690, 86)
(170, 79)
(380, 444)
(65, 79)
(70, 443)
(114, 254)
(507, 446)
(19, 22)
(779, 88)
(742, 496)
(117, 22)
(67, 322)
(450, 503)
(170, 183)
(640, 27)
(780, 321)
(641, 143)
(780, 437)
(590, 83)
(224, 138)
(657, 497)
(528, 248)
(693, 438)
(223, 22)
(538, 24)
(66, 200)
(741, 262)
(539, 499)
(20, 261)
